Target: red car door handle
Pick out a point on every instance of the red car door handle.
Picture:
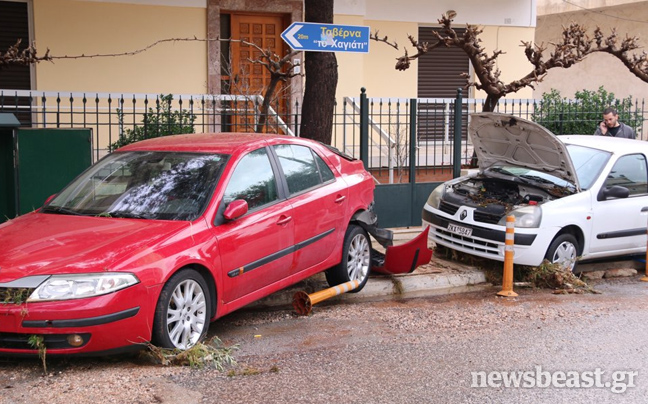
(283, 220)
(340, 198)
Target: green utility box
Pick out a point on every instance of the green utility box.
(8, 125)
(41, 162)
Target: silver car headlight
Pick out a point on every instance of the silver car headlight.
(66, 287)
(434, 199)
(526, 216)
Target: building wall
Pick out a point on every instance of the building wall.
(545, 7)
(513, 63)
(72, 27)
(629, 18)
(68, 27)
(519, 13)
(376, 71)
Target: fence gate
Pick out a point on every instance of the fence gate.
(401, 205)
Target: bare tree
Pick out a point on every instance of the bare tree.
(280, 69)
(573, 48)
(321, 80)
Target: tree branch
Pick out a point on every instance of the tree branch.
(14, 56)
(574, 46)
(384, 39)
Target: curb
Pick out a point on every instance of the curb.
(386, 287)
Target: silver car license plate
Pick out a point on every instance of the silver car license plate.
(460, 230)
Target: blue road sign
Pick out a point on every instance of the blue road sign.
(308, 36)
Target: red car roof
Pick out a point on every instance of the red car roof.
(224, 143)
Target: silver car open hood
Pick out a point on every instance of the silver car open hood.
(505, 139)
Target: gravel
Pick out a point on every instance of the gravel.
(397, 351)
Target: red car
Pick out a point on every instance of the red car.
(163, 236)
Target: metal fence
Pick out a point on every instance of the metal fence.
(115, 116)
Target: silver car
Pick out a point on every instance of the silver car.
(573, 197)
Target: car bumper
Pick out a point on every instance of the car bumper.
(486, 240)
(103, 323)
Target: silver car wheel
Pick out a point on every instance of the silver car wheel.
(358, 258)
(565, 255)
(186, 314)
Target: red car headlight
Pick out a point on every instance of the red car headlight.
(66, 287)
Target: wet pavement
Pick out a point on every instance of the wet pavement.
(389, 348)
(427, 349)
(393, 350)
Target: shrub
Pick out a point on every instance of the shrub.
(582, 115)
(157, 122)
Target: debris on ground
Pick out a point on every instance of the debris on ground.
(553, 276)
(209, 354)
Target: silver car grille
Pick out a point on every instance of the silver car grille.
(468, 243)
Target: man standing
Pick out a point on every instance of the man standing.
(610, 126)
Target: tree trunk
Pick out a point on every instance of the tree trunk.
(491, 102)
(267, 97)
(321, 80)
(489, 106)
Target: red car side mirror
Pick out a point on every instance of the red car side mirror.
(235, 209)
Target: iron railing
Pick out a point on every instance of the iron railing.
(112, 116)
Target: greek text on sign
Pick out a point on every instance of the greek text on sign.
(307, 36)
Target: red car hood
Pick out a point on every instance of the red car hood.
(37, 243)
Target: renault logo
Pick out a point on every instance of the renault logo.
(463, 215)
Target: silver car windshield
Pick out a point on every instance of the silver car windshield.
(142, 185)
(588, 163)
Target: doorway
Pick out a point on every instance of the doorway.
(240, 75)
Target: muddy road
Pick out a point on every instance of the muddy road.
(446, 349)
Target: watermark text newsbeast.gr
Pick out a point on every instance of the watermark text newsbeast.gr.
(617, 381)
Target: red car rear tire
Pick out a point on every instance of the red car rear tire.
(356, 259)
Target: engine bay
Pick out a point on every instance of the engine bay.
(488, 190)
(495, 197)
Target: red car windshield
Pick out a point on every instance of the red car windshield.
(143, 185)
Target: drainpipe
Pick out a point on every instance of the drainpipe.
(456, 157)
(412, 160)
(364, 128)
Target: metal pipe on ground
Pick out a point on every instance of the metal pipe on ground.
(303, 302)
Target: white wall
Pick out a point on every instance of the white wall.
(520, 13)
(598, 69)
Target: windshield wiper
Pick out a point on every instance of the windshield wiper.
(60, 210)
(536, 178)
(125, 214)
(500, 170)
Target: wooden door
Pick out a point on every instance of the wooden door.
(248, 78)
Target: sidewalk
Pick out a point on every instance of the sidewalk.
(436, 278)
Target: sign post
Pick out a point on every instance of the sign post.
(307, 36)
